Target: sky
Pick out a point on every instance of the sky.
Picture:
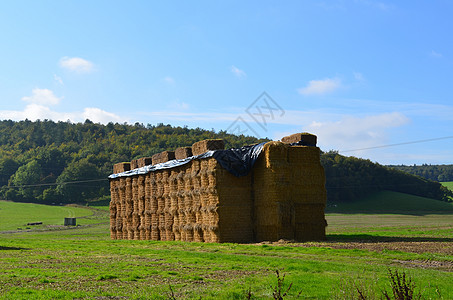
(360, 74)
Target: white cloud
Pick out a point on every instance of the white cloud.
(58, 79)
(35, 111)
(179, 105)
(436, 54)
(76, 64)
(238, 72)
(98, 115)
(169, 79)
(358, 76)
(319, 87)
(42, 96)
(377, 4)
(356, 133)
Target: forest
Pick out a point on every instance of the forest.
(62, 162)
(433, 172)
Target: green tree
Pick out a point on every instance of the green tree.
(8, 167)
(75, 183)
(27, 179)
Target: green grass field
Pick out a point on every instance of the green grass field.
(393, 202)
(84, 263)
(448, 184)
(15, 216)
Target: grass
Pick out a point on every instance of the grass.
(393, 202)
(84, 263)
(15, 216)
(448, 184)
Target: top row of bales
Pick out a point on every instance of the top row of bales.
(162, 157)
(200, 148)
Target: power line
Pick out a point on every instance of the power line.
(399, 144)
(55, 183)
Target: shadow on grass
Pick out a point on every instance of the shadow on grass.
(12, 248)
(388, 212)
(381, 239)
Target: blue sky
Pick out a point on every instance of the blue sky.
(359, 74)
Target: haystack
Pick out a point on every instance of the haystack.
(283, 197)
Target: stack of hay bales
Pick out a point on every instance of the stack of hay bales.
(309, 193)
(274, 214)
(289, 191)
(282, 198)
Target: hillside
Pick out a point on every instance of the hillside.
(351, 178)
(392, 202)
(61, 162)
(432, 172)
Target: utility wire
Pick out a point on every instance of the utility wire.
(56, 183)
(399, 144)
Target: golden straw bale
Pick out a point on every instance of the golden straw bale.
(304, 137)
(142, 228)
(161, 227)
(163, 157)
(304, 154)
(206, 145)
(135, 193)
(183, 152)
(275, 152)
(121, 167)
(198, 233)
(134, 164)
(182, 233)
(144, 161)
(155, 236)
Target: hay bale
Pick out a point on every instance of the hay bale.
(304, 138)
(121, 167)
(163, 157)
(134, 164)
(206, 145)
(304, 155)
(183, 152)
(144, 161)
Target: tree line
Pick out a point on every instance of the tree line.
(439, 173)
(62, 162)
(351, 178)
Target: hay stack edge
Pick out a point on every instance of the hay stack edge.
(283, 196)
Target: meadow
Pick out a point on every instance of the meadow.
(56, 262)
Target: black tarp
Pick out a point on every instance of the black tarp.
(238, 161)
